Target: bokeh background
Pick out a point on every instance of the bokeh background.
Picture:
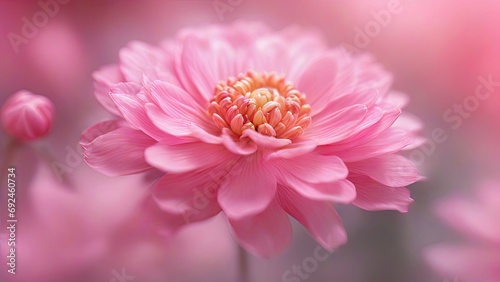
(78, 225)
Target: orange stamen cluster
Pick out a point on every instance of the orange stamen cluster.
(264, 102)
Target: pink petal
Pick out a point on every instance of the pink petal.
(366, 97)
(315, 176)
(99, 129)
(416, 142)
(313, 168)
(413, 125)
(117, 152)
(373, 116)
(132, 109)
(186, 157)
(387, 120)
(296, 149)
(371, 131)
(317, 81)
(178, 126)
(264, 141)
(137, 57)
(204, 63)
(175, 102)
(350, 81)
(373, 196)
(369, 75)
(167, 124)
(190, 195)
(265, 234)
(302, 46)
(389, 142)
(269, 54)
(178, 106)
(342, 191)
(390, 170)
(166, 223)
(398, 99)
(409, 122)
(104, 78)
(337, 126)
(125, 88)
(317, 216)
(243, 146)
(249, 189)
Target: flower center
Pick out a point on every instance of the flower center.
(264, 102)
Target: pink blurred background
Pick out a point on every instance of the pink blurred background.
(81, 230)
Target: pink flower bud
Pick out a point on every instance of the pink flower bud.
(26, 116)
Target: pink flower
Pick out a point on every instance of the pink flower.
(26, 116)
(478, 260)
(256, 124)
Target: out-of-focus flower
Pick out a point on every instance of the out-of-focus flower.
(76, 224)
(258, 125)
(63, 66)
(26, 116)
(478, 260)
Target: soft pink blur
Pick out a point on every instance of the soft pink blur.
(437, 50)
(477, 218)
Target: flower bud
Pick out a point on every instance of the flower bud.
(26, 116)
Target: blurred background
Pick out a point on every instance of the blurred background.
(78, 225)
